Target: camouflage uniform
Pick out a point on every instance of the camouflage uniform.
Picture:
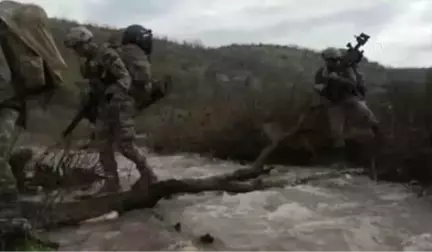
(115, 123)
(34, 66)
(342, 89)
(138, 66)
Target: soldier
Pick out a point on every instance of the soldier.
(135, 50)
(345, 91)
(115, 120)
(34, 64)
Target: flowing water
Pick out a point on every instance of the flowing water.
(343, 213)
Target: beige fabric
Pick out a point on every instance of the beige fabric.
(30, 23)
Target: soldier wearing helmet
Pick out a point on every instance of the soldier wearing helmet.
(341, 88)
(32, 70)
(332, 57)
(135, 50)
(115, 120)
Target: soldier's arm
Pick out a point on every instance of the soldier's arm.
(112, 62)
(348, 79)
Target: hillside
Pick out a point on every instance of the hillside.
(223, 95)
(197, 68)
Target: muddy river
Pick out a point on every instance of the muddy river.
(342, 213)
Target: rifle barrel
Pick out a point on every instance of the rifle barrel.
(84, 112)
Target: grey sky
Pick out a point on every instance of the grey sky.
(401, 30)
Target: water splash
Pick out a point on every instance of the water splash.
(347, 213)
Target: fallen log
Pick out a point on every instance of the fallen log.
(72, 212)
(59, 213)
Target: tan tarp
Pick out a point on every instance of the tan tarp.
(30, 23)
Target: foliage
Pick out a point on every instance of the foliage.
(29, 245)
(223, 95)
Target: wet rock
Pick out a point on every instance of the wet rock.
(207, 239)
(177, 227)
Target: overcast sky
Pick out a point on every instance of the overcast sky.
(401, 30)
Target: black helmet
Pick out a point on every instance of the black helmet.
(140, 36)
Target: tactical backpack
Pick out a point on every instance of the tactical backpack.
(135, 51)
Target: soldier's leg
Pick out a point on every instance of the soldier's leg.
(336, 116)
(362, 113)
(130, 150)
(104, 143)
(18, 161)
(126, 136)
(11, 221)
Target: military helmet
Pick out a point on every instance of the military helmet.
(331, 53)
(134, 33)
(140, 36)
(77, 35)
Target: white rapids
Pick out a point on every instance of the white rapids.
(343, 213)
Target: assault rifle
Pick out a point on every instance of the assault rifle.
(352, 58)
(353, 55)
(88, 111)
